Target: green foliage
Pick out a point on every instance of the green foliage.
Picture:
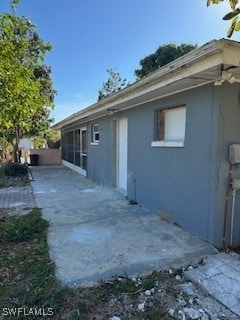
(232, 15)
(22, 228)
(2, 178)
(125, 285)
(54, 139)
(114, 84)
(26, 94)
(14, 169)
(30, 279)
(162, 56)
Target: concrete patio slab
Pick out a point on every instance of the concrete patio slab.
(95, 234)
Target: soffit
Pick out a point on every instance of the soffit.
(211, 63)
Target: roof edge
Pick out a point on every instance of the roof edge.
(196, 55)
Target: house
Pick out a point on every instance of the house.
(164, 141)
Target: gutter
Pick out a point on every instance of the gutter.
(150, 81)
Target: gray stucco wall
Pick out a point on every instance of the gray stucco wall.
(229, 133)
(176, 181)
(186, 183)
(100, 156)
(170, 179)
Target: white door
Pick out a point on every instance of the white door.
(122, 153)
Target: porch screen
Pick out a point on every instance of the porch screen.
(77, 148)
(64, 145)
(70, 147)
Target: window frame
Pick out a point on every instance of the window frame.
(160, 131)
(95, 140)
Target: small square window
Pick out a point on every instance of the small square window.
(95, 133)
(171, 127)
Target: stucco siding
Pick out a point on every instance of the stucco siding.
(99, 155)
(174, 180)
(229, 133)
(185, 183)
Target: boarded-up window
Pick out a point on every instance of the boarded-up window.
(171, 124)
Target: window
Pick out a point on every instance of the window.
(170, 127)
(95, 133)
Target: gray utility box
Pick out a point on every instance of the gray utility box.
(234, 153)
(236, 184)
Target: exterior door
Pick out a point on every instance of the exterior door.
(122, 153)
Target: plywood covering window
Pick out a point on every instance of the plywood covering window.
(170, 127)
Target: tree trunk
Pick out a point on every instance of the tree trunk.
(16, 154)
(16, 157)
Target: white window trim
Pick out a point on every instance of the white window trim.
(95, 142)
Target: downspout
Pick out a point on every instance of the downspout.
(232, 217)
(235, 187)
(226, 207)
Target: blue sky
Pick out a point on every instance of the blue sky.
(89, 37)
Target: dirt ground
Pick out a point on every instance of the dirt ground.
(160, 296)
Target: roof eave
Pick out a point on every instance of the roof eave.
(211, 54)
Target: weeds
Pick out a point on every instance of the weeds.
(125, 286)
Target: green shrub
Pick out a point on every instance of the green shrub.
(14, 169)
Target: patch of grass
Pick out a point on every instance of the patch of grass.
(148, 284)
(27, 273)
(149, 281)
(22, 228)
(125, 285)
(2, 178)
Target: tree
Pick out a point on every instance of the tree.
(232, 15)
(112, 85)
(26, 91)
(163, 55)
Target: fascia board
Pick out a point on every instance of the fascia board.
(198, 60)
(231, 56)
(180, 74)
